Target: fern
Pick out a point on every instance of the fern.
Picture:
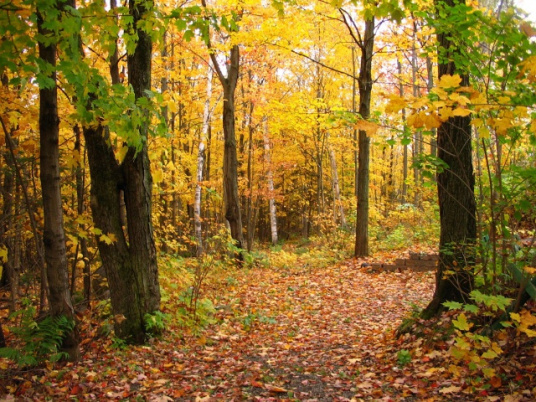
(40, 341)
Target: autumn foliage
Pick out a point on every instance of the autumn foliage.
(215, 159)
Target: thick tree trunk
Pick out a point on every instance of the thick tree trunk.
(365, 93)
(59, 295)
(129, 260)
(455, 191)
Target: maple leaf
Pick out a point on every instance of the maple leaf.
(109, 238)
(396, 104)
(450, 81)
(461, 112)
(461, 323)
(450, 390)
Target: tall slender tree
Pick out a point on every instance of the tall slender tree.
(57, 275)
(365, 43)
(233, 214)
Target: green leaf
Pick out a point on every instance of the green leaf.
(471, 308)
(452, 305)
(188, 35)
(461, 323)
(180, 24)
(490, 354)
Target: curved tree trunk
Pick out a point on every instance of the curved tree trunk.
(455, 187)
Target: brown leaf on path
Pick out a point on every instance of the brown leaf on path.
(450, 390)
(273, 388)
(495, 382)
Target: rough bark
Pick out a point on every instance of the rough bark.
(365, 93)
(230, 160)
(130, 261)
(59, 295)
(455, 191)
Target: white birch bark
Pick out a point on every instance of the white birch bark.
(270, 177)
(201, 162)
(336, 189)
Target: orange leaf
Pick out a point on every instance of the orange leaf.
(495, 382)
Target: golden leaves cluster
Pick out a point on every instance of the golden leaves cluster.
(450, 99)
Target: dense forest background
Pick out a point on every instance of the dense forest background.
(150, 149)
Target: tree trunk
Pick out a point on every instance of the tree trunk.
(404, 194)
(230, 160)
(250, 227)
(59, 295)
(129, 260)
(365, 92)
(201, 162)
(417, 137)
(270, 178)
(338, 209)
(354, 131)
(455, 191)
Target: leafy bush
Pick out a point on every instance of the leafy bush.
(155, 323)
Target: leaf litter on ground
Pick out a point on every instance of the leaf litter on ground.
(301, 333)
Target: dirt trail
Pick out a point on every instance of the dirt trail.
(306, 334)
(309, 334)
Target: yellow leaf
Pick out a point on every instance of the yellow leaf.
(461, 323)
(527, 318)
(450, 81)
(484, 133)
(158, 176)
(460, 99)
(515, 316)
(502, 125)
(370, 127)
(488, 372)
(172, 106)
(530, 270)
(489, 354)
(461, 112)
(3, 254)
(431, 121)
(445, 113)
(396, 104)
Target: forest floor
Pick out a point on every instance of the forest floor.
(297, 334)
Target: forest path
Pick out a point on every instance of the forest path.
(308, 334)
(297, 334)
